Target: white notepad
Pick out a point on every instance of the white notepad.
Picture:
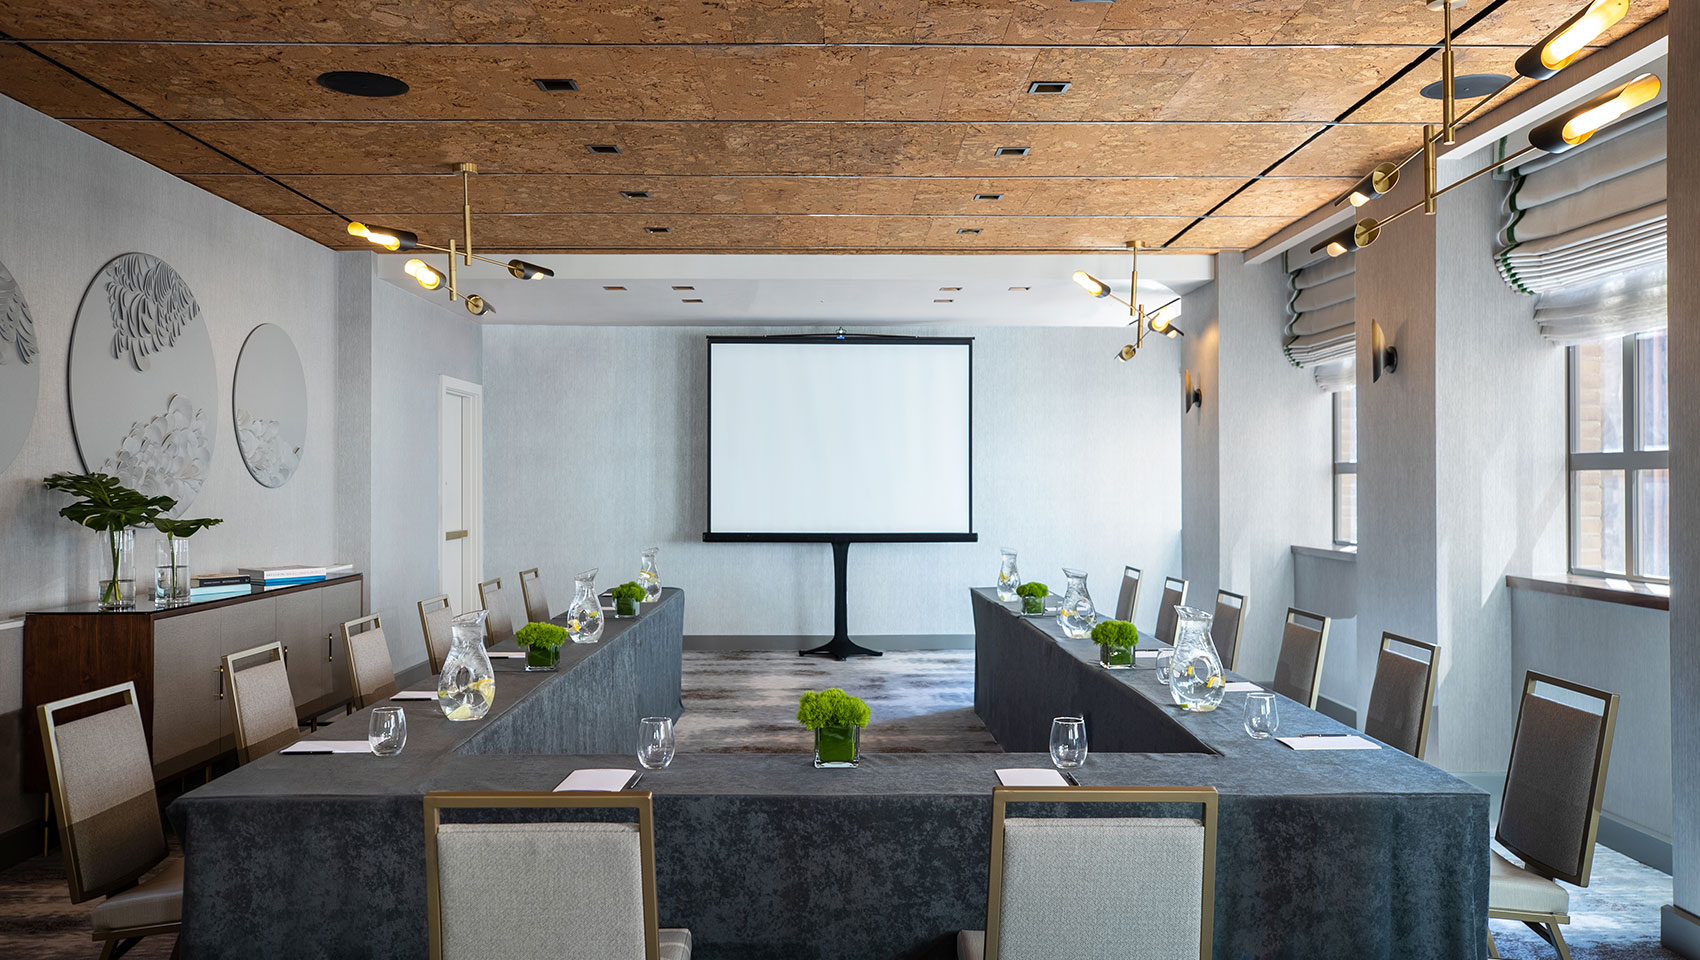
(1241, 686)
(415, 695)
(1035, 777)
(608, 781)
(506, 654)
(328, 746)
(1346, 741)
(1145, 654)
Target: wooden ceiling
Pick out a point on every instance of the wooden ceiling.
(768, 125)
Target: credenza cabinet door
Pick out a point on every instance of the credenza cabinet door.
(191, 695)
(341, 603)
(298, 619)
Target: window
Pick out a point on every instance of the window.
(1346, 468)
(1620, 458)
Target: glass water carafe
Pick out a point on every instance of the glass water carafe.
(649, 577)
(1196, 679)
(467, 685)
(1008, 577)
(584, 614)
(1076, 615)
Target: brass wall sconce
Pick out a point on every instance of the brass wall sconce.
(1154, 321)
(1383, 356)
(1192, 395)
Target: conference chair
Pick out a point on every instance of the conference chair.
(1550, 812)
(499, 625)
(369, 667)
(1403, 694)
(600, 880)
(1127, 603)
(100, 775)
(536, 599)
(1298, 670)
(1174, 595)
(1160, 872)
(262, 702)
(436, 621)
(1226, 627)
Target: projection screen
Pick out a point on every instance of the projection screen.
(821, 438)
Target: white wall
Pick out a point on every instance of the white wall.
(594, 449)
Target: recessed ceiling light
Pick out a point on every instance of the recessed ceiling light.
(1019, 289)
(968, 231)
(988, 196)
(687, 287)
(949, 289)
(359, 83)
(613, 288)
(1010, 152)
(556, 86)
(602, 148)
(690, 301)
(1467, 87)
(944, 301)
(657, 229)
(1049, 86)
(635, 194)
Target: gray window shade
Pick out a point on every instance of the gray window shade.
(1321, 324)
(1585, 232)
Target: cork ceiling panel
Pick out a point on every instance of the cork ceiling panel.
(770, 124)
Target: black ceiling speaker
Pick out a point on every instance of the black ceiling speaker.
(359, 83)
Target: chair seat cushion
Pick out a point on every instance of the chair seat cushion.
(1510, 887)
(970, 944)
(675, 943)
(155, 901)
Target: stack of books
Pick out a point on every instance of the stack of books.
(283, 576)
(219, 585)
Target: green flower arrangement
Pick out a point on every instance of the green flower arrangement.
(180, 529)
(1033, 596)
(836, 718)
(109, 507)
(542, 645)
(1116, 640)
(627, 596)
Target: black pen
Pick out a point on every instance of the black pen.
(1070, 778)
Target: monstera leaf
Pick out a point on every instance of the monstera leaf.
(151, 304)
(16, 327)
(106, 504)
(184, 528)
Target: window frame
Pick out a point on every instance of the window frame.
(1340, 467)
(1630, 462)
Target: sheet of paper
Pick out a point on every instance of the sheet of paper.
(415, 695)
(1145, 654)
(1343, 742)
(1036, 777)
(1241, 686)
(506, 654)
(603, 780)
(328, 746)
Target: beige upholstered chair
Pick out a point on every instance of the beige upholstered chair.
(369, 668)
(261, 699)
(1127, 602)
(1226, 627)
(499, 625)
(100, 775)
(436, 622)
(535, 597)
(600, 878)
(1403, 695)
(1163, 872)
(1174, 595)
(1550, 813)
(1298, 671)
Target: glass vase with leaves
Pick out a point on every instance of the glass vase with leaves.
(107, 506)
(171, 568)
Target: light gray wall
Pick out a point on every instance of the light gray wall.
(595, 449)
(1325, 581)
(1201, 450)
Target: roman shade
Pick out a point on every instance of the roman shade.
(1321, 324)
(1585, 232)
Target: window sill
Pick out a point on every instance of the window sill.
(1653, 596)
(1344, 554)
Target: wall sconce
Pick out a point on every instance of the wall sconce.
(1192, 395)
(1383, 357)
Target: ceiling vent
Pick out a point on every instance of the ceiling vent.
(685, 287)
(690, 301)
(969, 232)
(556, 86)
(635, 194)
(1048, 87)
(602, 148)
(613, 288)
(988, 196)
(1010, 152)
(359, 83)
(657, 229)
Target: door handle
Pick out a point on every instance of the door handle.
(330, 651)
(221, 681)
(455, 535)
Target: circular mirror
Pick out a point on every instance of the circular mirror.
(20, 369)
(144, 391)
(270, 405)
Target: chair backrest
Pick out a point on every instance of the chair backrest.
(1403, 694)
(1159, 875)
(1127, 602)
(600, 878)
(1298, 671)
(436, 621)
(499, 625)
(262, 702)
(535, 597)
(101, 777)
(369, 667)
(1174, 595)
(1226, 625)
(1557, 777)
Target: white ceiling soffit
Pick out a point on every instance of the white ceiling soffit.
(790, 289)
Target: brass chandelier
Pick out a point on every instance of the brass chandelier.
(1154, 321)
(429, 277)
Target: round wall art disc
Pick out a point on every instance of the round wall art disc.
(270, 404)
(144, 391)
(20, 369)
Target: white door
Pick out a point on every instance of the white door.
(460, 427)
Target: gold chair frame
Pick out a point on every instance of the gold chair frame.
(359, 701)
(1321, 648)
(1239, 625)
(1431, 680)
(242, 754)
(440, 602)
(640, 801)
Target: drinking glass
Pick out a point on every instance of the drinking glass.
(1068, 742)
(388, 732)
(1261, 718)
(1164, 658)
(655, 742)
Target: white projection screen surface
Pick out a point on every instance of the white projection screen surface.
(816, 438)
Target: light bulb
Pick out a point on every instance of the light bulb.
(1358, 199)
(1091, 284)
(1638, 91)
(1597, 19)
(422, 272)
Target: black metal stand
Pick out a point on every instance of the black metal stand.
(840, 646)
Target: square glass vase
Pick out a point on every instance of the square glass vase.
(542, 659)
(625, 608)
(1115, 658)
(838, 746)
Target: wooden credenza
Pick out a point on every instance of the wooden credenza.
(175, 657)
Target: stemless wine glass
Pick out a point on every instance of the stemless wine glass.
(1164, 659)
(388, 732)
(655, 742)
(1068, 742)
(1261, 718)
